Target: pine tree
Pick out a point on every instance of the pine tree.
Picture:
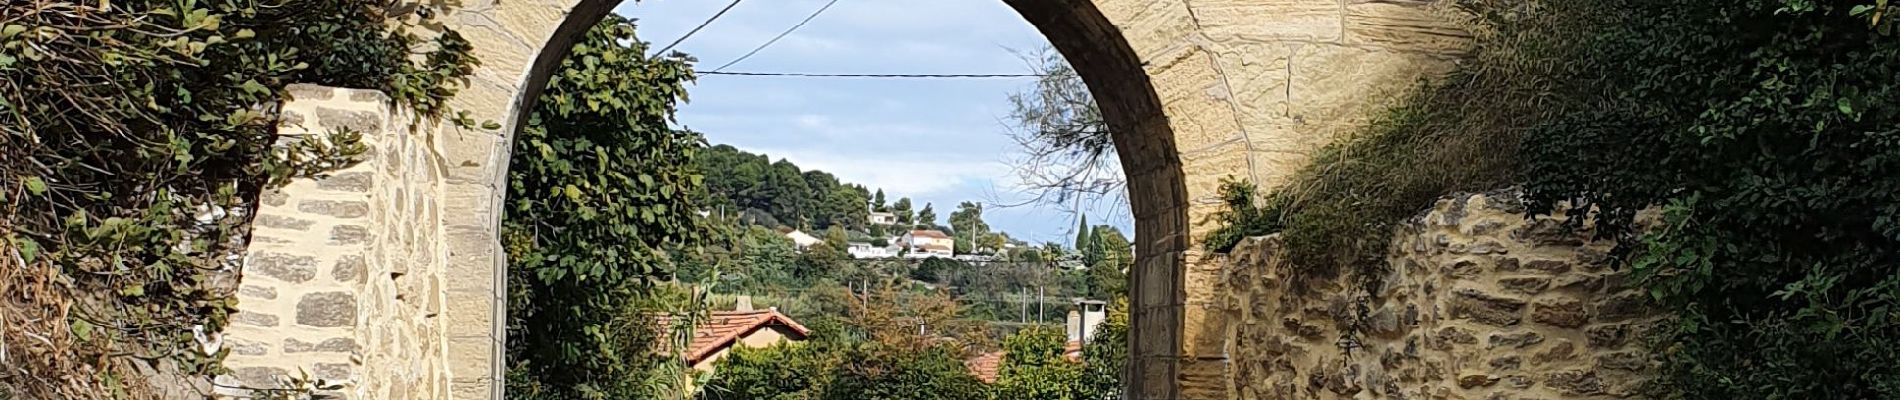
(1082, 235)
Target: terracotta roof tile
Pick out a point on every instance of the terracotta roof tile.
(932, 233)
(985, 366)
(722, 328)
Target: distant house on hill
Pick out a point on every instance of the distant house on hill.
(882, 218)
(927, 243)
(867, 251)
(802, 239)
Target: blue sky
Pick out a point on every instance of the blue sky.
(941, 141)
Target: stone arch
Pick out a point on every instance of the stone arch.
(1195, 90)
(1143, 138)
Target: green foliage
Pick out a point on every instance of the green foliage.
(599, 193)
(936, 373)
(137, 133)
(1767, 130)
(1105, 357)
(807, 200)
(969, 225)
(926, 218)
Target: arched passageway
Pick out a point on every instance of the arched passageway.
(1195, 91)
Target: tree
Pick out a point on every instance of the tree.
(877, 202)
(1082, 235)
(1105, 357)
(902, 209)
(1108, 277)
(1034, 368)
(1064, 147)
(597, 163)
(969, 225)
(927, 218)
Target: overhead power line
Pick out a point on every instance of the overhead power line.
(926, 76)
(702, 25)
(781, 35)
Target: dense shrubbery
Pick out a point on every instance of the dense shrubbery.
(1766, 129)
(1770, 133)
(137, 135)
(599, 198)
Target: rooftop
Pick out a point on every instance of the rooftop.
(722, 328)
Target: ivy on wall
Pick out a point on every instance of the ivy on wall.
(134, 139)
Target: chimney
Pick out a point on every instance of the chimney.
(744, 303)
(1075, 326)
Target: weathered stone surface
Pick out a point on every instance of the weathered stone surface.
(283, 267)
(1548, 266)
(348, 181)
(254, 319)
(349, 234)
(1568, 313)
(333, 345)
(339, 209)
(1575, 382)
(1486, 308)
(1608, 336)
(1517, 340)
(350, 268)
(248, 348)
(1446, 322)
(283, 222)
(260, 377)
(359, 121)
(1524, 285)
(331, 371)
(1622, 307)
(257, 292)
(327, 309)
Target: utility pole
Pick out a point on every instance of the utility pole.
(1038, 304)
(1024, 299)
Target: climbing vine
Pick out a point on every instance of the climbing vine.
(135, 137)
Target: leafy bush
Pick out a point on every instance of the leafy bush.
(1770, 133)
(599, 194)
(137, 136)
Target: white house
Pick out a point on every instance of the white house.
(883, 218)
(864, 250)
(803, 240)
(928, 243)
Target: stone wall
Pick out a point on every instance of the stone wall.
(343, 277)
(1478, 302)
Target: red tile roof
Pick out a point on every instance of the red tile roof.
(985, 366)
(722, 328)
(932, 233)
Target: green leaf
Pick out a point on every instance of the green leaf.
(491, 125)
(35, 186)
(82, 329)
(29, 249)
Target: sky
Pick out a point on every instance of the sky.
(941, 141)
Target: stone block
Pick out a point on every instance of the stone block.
(1406, 26)
(257, 292)
(282, 222)
(1485, 308)
(357, 121)
(350, 268)
(1567, 313)
(327, 309)
(284, 267)
(349, 234)
(356, 181)
(253, 318)
(472, 356)
(331, 345)
(339, 209)
(1575, 382)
